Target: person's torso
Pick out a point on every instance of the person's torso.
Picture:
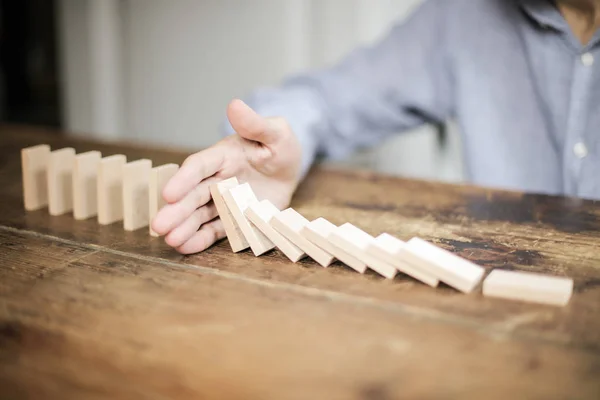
(527, 97)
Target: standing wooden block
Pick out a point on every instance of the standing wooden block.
(260, 214)
(136, 182)
(34, 167)
(390, 249)
(290, 223)
(238, 199)
(529, 287)
(356, 241)
(85, 185)
(159, 176)
(110, 189)
(449, 268)
(60, 181)
(235, 236)
(319, 232)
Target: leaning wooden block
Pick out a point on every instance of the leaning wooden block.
(85, 185)
(260, 214)
(136, 182)
(390, 249)
(319, 232)
(159, 176)
(110, 189)
(449, 268)
(528, 287)
(34, 167)
(356, 241)
(290, 223)
(236, 238)
(238, 199)
(60, 181)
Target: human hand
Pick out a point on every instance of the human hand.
(263, 152)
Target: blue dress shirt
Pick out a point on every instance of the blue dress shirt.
(522, 88)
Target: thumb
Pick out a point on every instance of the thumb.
(249, 125)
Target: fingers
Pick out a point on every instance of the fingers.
(194, 169)
(208, 234)
(249, 125)
(173, 215)
(189, 227)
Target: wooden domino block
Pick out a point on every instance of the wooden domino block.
(528, 287)
(136, 182)
(449, 268)
(319, 232)
(60, 181)
(85, 185)
(356, 241)
(238, 199)
(290, 223)
(159, 176)
(34, 167)
(110, 189)
(235, 236)
(260, 214)
(390, 249)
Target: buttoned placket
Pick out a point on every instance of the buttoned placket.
(576, 144)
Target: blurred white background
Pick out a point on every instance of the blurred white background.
(163, 71)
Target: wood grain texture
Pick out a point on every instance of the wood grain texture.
(94, 311)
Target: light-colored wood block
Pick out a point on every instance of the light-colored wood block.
(136, 183)
(159, 176)
(110, 189)
(528, 287)
(290, 223)
(235, 236)
(238, 199)
(449, 268)
(319, 231)
(60, 181)
(34, 169)
(390, 249)
(356, 241)
(85, 184)
(260, 214)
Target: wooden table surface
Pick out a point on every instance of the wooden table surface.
(90, 311)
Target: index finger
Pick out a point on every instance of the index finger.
(194, 170)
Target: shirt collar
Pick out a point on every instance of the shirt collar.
(545, 13)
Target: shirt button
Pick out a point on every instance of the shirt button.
(587, 59)
(580, 150)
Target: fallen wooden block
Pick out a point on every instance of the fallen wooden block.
(356, 241)
(260, 214)
(85, 185)
(528, 287)
(319, 232)
(391, 249)
(159, 176)
(238, 199)
(110, 189)
(34, 169)
(235, 236)
(449, 268)
(290, 223)
(60, 181)
(136, 182)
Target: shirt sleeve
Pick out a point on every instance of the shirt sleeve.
(394, 85)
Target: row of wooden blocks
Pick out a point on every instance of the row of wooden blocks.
(112, 190)
(91, 186)
(259, 225)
